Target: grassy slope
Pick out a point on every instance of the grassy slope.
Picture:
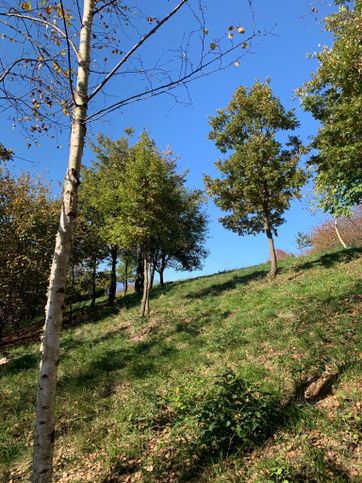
(126, 387)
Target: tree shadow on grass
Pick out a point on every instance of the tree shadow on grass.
(328, 260)
(192, 457)
(220, 288)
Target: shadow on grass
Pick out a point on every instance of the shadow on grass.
(219, 288)
(264, 417)
(328, 260)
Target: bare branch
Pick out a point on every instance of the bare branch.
(136, 47)
(44, 22)
(168, 86)
(68, 51)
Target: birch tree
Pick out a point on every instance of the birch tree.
(60, 61)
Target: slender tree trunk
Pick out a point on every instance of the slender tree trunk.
(113, 282)
(341, 241)
(162, 283)
(139, 281)
(145, 303)
(45, 413)
(94, 275)
(162, 270)
(273, 258)
(152, 276)
(125, 289)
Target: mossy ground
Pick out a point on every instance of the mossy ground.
(126, 385)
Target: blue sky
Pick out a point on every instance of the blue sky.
(280, 55)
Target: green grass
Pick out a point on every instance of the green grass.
(138, 401)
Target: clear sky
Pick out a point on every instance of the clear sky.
(281, 55)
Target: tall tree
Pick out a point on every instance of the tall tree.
(261, 176)
(334, 97)
(100, 196)
(146, 196)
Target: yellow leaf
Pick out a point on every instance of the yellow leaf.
(241, 30)
(213, 46)
(244, 45)
(230, 35)
(62, 52)
(26, 6)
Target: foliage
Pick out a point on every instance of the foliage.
(261, 177)
(334, 97)
(324, 237)
(303, 241)
(282, 254)
(234, 415)
(5, 154)
(184, 248)
(28, 224)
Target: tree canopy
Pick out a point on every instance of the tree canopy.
(334, 97)
(261, 176)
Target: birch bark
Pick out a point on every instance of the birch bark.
(45, 411)
(341, 241)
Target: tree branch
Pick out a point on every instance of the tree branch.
(136, 47)
(44, 22)
(165, 87)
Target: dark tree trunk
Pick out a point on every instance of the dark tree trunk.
(152, 276)
(162, 283)
(113, 281)
(162, 269)
(94, 274)
(139, 280)
(272, 254)
(125, 288)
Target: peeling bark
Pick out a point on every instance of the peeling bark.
(45, 412)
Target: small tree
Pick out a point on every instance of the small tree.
(303, 241)
(260, 177)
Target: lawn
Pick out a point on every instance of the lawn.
(211, 388)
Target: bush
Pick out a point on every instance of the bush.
(234, 415)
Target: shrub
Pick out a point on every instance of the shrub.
(234, 415)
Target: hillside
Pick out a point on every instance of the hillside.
(216, 386)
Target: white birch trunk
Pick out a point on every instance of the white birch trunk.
(45, 411)
(341, 241)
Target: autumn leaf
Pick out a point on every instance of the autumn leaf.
(241, 30)
(26, 6)
(244, 45)
(213, 46)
